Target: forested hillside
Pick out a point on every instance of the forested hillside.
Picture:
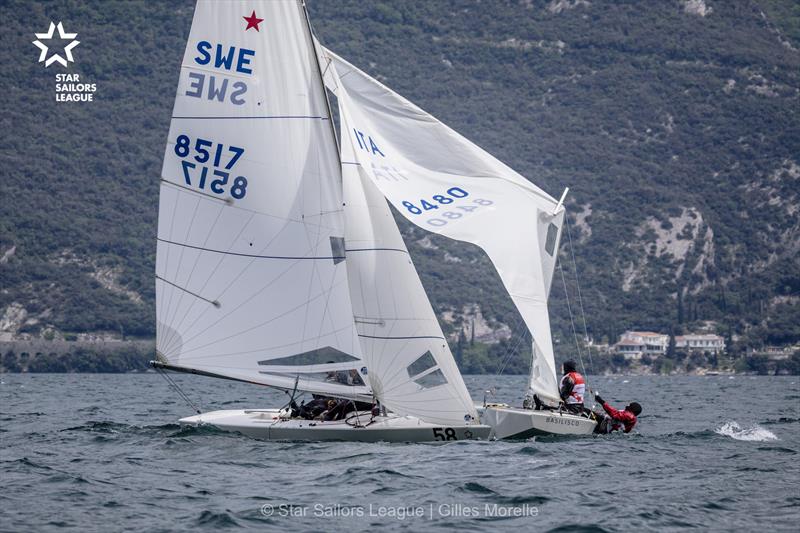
(675, 124)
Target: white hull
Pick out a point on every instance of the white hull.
(265, 424)
(517, 423)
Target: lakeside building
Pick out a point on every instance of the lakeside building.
(634, 344)
(700, 343)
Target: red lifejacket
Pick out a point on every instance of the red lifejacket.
(578, 389)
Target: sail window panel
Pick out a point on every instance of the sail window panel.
(432, 379)
(550, 242)
(337, 249)
(421, 364)
(340, 377)
(320, 356)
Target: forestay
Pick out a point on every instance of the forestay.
(251, 279)
(411, 369)
(444, 183)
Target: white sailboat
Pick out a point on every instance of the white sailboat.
(444, 183)
(277, 263)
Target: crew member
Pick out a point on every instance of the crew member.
(613, 419)
(572, 388)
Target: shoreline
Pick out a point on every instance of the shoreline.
(134, 355)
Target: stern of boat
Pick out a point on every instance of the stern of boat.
(517, 423)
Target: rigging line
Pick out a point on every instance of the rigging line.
(177, 389)
(191, 274)
(510, 353)
(215, 303)
(572, 322)
(254, 256)
(578, 285)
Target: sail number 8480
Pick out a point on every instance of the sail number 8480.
(454, 195)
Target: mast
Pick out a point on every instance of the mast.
(321, 78)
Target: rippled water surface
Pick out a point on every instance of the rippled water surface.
(104, 453)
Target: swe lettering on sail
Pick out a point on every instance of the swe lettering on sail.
(216, 87)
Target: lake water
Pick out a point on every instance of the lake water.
(104, 453)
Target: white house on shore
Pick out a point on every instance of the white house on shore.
(700, 343)
(634, 344)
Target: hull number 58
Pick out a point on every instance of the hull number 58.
(444, 434)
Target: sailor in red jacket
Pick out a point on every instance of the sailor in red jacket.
(614, 419)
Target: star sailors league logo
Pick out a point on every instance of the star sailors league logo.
(58, 49)
(55, 58)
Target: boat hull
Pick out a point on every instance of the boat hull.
(517, 423)
(265, 424)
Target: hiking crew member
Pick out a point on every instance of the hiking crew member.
(613, 419)
(572, 388)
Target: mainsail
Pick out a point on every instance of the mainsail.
(251, 282)
(411, 368)
(444, 183)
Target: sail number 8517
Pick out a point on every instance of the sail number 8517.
(203, 150)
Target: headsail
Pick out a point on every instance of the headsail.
(251, 279)
(411, 369)
(444, 183)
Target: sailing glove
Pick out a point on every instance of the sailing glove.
(598, 399)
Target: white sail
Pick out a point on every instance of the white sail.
(251, 282)
(411, 369)
(442, 182)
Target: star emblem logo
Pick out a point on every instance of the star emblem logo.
(253, 21)
(468, 434)
(55, 58)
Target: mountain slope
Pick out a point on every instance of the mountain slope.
(677, 128)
